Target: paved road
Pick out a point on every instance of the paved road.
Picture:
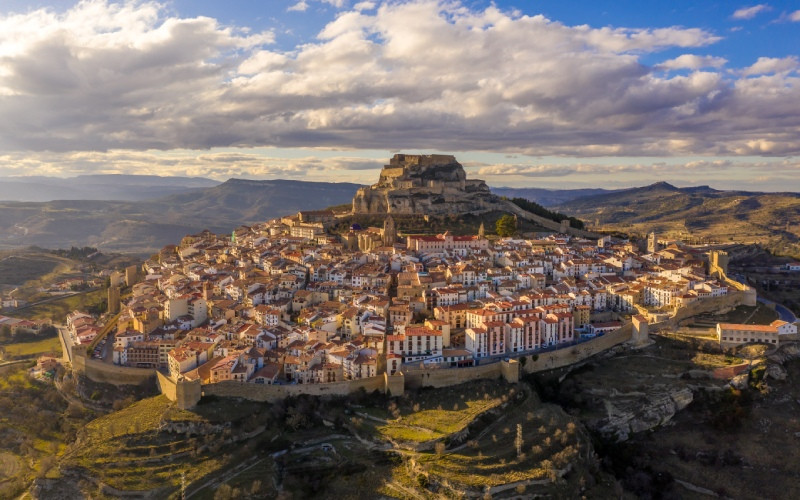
(783, 312)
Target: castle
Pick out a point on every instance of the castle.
(425, 184)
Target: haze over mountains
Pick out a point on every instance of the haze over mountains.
(97, 187)
(148, 224)
(140, 214)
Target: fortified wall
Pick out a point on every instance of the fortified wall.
(425, 185)
(438, 185)
(98, 371)
(188, 393)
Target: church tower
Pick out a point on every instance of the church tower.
(481, 232)
(652, 243)
(389, 232)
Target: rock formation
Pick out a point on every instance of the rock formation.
(426, 185)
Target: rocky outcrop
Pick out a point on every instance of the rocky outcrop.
(425, 185)
(636, 412)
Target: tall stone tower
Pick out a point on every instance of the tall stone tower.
(481, 232)
(718, 263)
(652, 243)
(389, 231)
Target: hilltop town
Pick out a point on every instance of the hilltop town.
(288, 302)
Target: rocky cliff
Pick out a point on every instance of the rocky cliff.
(426, 185)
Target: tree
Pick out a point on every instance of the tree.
(5, 333)
(506, 226)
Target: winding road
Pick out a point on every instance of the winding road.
(783, 312)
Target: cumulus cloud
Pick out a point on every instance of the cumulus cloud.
(795, 16)
(765, 65)
(694, 171)
(218, 165)
(694, 62)
(421, 74)
(300, 6)
(750, 12)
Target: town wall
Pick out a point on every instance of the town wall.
(187, 393)
(733, 299)
(167, 386)
(258, 392)
(395, 384)
(570, 355)
(444, 377)
(106, 373)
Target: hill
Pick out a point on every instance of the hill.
(696, 213)
(549, 197)
(145, 226)
(97, 187)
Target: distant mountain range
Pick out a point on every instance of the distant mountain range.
(549, 197)
(696, 212)
(145, 226)
(97, 187)
(140, 214)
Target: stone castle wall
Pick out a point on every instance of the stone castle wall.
(99, 371)
(445, 377)
(258, 392)
(571, 355)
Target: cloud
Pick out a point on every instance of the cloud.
(300, 6)
(692, 169)
(694, 62)
(750, 12)
(765, 65)
(420, 74)
(795, 16)
(218, 165)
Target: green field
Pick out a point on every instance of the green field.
(22, 349)
(436, 423)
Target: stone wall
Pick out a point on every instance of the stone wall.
(445, 377)
(395, 384)
(547, 223)
(187, 394)
(571, 355)
(167, 386)
(258, 392)
(106, 373)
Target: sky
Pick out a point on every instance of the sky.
(549, 94)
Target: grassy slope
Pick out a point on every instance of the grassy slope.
(49, 345)
(57, 310)
(35, 426)
(695, 212)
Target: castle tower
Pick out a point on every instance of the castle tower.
(389, 231)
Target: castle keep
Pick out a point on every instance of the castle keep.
(424, 184)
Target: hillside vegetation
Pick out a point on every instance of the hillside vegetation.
(697, 214)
